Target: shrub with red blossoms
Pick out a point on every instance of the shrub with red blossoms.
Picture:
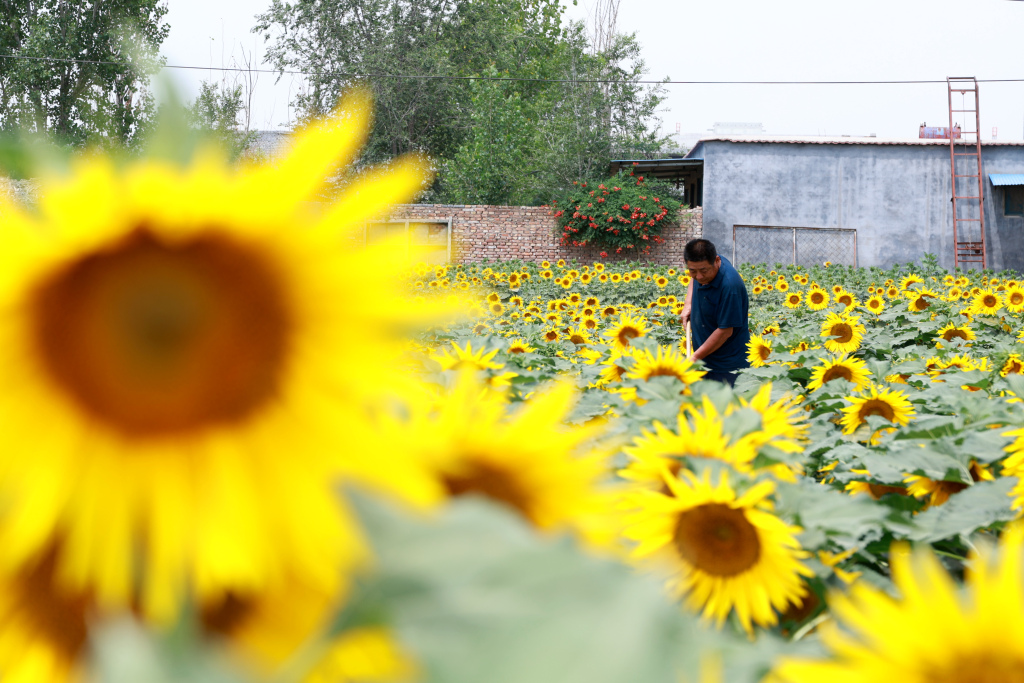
(627, 215)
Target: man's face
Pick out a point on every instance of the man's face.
(704, 271)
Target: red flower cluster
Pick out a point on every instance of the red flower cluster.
(622, 217)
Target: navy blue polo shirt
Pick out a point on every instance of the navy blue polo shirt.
(722, 303)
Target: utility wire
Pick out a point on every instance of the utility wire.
(496, 78)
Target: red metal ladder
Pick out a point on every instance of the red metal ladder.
(966, 176)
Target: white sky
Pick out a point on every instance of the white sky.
(735, 40)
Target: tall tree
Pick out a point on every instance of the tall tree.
(500, 92)
(80, 68)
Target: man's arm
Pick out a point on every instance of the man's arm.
(717, 338)
(685, 316)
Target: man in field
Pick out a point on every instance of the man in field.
(716, 308)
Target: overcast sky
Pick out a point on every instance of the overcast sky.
(711, 40)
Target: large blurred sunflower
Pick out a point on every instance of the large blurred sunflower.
(935, 632)
(726, 552)
(842, 333)
(186, 350)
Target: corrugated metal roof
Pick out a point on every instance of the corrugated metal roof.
(999, 179)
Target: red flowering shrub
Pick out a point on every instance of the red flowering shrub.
(626, 212)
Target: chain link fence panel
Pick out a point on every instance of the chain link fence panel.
(797, 246)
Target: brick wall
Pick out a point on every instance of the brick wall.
(528, 232)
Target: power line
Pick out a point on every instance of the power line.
(347, 74)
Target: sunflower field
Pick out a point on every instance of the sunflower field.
(238, 444)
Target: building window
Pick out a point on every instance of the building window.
(1013, 203)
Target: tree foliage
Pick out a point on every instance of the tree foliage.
(217, 110)
(537, 119)
(80, 70)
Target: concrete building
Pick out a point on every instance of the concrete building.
(858, 200)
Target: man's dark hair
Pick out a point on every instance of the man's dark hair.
(700, 250)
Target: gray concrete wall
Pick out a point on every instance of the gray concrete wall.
(897, 198)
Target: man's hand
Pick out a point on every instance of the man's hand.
(684, 317)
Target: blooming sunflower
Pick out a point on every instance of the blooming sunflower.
(986, 302)
(851, 369)
(910, 280)
(212, 315)
(938, 491)
(266, 631)
(952, 331)
(794, 299)
(936, 632)
(698, 434)
(847, 299)
(817, 299)
(667, 362)
(520, 345)
(725, 551)
(892, 292)
(526, 461)
(1013, 299)
(758, 351)
(892, 404)
(1014, 365)
(843, 333)
(920, 299)
(875, 304)
(627, 328)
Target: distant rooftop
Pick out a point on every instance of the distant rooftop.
(844, 140)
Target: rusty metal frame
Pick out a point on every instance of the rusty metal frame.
(966, 252)
(794, 230)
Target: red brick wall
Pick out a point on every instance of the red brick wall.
(528, 233)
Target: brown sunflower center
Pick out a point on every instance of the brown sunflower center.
(153, 338)
(841, 332)
(874, 303)
(764, 351)
(837, 372)
(1016, 298)
(845, 299)
(664, 371)
(491, 482)
(876, 406)
(717, 539)
(955, 333)
(228, 615)
(921, 303)
(989, 301)
(817, 297)
(626, 333)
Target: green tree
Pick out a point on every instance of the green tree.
(217, 111)
(81, 69)
(502, 141)
(493, 165)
